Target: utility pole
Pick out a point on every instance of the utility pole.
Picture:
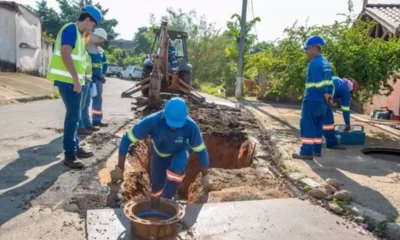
(239, 78)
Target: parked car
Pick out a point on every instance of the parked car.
(113, 69)
(132, 73)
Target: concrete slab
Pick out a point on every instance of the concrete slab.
(373, 181)
(266, 219)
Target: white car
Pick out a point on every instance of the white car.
(113, 69)
(132, 73)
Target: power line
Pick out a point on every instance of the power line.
(252, 11)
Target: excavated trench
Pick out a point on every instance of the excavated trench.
(226, 134)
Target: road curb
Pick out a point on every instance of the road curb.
(371, 217)
(25, 99)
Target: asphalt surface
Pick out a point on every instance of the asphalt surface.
(33, 180)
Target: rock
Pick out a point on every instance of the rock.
(329, 188)
(333, 182)
(329, 198)
(318, 192)
(335, 208)
(359, 219)
(343, 195)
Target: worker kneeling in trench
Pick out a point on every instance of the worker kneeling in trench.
(174, 136)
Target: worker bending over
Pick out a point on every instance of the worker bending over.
(67, 71)
(174, 135)
(99, 63)
(343, 90)
(318, 94)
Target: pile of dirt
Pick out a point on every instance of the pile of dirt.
(237, 185)
(226, 132)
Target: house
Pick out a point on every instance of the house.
(386, 14)
(22, 48)
(122, 44)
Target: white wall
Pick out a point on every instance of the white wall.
(28, 31)
(46, 52)
(7, 38)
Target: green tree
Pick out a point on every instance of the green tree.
(143, 40)
(69, 12)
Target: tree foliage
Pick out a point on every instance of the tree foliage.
(349, 48)
(53, 21)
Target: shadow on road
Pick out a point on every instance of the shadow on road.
(39, 163)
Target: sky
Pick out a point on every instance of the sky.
(275, 15)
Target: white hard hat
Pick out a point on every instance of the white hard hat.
(100, 33)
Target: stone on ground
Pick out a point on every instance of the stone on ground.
(333, 182)
(343, 195)
(318, 192)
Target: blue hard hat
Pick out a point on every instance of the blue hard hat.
(175, 112)
(314, 40)
(94, 12)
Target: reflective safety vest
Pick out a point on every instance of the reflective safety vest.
(58, 70)
(88, 72)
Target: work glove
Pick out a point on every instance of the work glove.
(103, 79)
(117, 174)
(347, 128)
(206, 182)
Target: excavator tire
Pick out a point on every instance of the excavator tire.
(145, 74)
(186, 76)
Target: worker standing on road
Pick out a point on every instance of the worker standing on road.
(99, 63)
(174, 135)
(85, 124)
(67, 70)
(343, 90)
(317, 96)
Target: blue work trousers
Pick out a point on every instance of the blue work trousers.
(167, 173)
(329, 128)
(72, 102)
(85, 115)
(311, 121)
(97, 104)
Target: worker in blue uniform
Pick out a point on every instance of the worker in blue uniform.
(100, 65)
(343, 90)
(67, 70)
(317, 96)
(171, 56)
(174, 135)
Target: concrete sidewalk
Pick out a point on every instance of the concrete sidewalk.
(18, 87)
(264, 219)
(373, 181)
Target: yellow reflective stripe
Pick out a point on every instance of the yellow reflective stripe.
(345, 108)
(158, 152)
(199, 148)
(73, 56)
(104, 62)
(323, 83)
(97, 65)
(63, 73)
(132, 137)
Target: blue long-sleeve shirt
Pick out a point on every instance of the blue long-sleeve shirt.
(342, 92)
(105, 63)
(98, 58)
(319, 79)
(165, 142)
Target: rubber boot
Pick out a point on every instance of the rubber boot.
(337, 147)
(302, 157)
(93, 128)
(100, 124)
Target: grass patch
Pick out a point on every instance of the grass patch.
(211, 89)
(55, 95)
(340, 203)
(380, 230)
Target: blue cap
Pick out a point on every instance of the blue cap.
(314, 40)
(176, 112)
(94, 12)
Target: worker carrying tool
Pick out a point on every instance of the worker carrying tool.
(343, 90)
(174, 135)
(100, 65)
(67, 71)
(318, 94)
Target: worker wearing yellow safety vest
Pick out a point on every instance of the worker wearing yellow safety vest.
(67, 71)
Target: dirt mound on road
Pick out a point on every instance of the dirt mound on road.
(237, 185)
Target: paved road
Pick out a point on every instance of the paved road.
(33, 181)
